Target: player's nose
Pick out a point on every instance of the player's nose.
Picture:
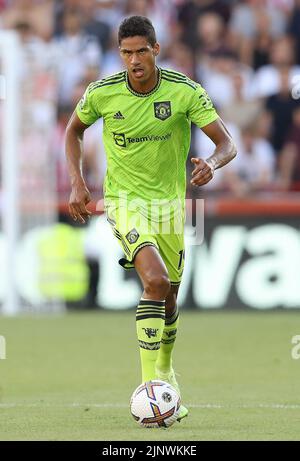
(134, 59)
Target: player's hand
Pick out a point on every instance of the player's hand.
(202, 173)
(79, 198)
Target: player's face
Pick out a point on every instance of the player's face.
(139, 57)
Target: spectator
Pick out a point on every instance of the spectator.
(294, 28)
(39, 16)
(110, 11)
(241, 110)
(289, 160)
(3, 4)
(111, 62)
(210, 33)
(245, 25)
(189, 13)
(268, 79)
(262, 41)
(217, 75)
(93, 23)
(92, 20)
(76, 52)
(281, 106)
(179, 57)
(160, 12)
(254, 169)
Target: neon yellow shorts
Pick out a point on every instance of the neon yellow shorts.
(134, 232)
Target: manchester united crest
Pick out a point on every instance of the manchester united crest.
(162, 110)
(132, 236)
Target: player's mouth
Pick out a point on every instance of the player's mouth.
(138, 72)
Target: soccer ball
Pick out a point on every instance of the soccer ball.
(155, 404)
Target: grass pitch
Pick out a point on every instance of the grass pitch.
(71, 377)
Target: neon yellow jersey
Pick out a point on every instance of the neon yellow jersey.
(146, 136)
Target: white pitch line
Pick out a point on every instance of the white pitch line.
(279, 406)
(260, 405)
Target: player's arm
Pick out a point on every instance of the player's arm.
(224, 152)
(80, 195)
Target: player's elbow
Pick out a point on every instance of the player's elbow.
(233, 151)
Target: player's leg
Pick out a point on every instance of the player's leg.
(141, 252)
(164, 360)
(150, 317)
(164, 366)
(171, 245)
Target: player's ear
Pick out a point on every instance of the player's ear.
(156, 49)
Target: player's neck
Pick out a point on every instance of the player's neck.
(145, 87)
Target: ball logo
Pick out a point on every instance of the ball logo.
(166, 397)
(162, 110)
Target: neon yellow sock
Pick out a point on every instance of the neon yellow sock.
(164, 359)
(150, 320)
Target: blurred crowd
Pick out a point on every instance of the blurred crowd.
(245, 53)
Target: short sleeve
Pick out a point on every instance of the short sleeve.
(200, 108)
(86, 108)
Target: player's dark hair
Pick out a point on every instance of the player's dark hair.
(137, 25)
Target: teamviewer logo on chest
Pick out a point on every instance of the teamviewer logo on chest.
(120, 139)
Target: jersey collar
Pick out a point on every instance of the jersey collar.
(143, 95)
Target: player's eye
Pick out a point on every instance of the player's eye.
(128, 53)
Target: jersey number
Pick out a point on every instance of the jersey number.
(181, 258)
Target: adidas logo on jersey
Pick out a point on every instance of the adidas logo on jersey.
(118, 116)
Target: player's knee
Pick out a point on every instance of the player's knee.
(157, 285)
